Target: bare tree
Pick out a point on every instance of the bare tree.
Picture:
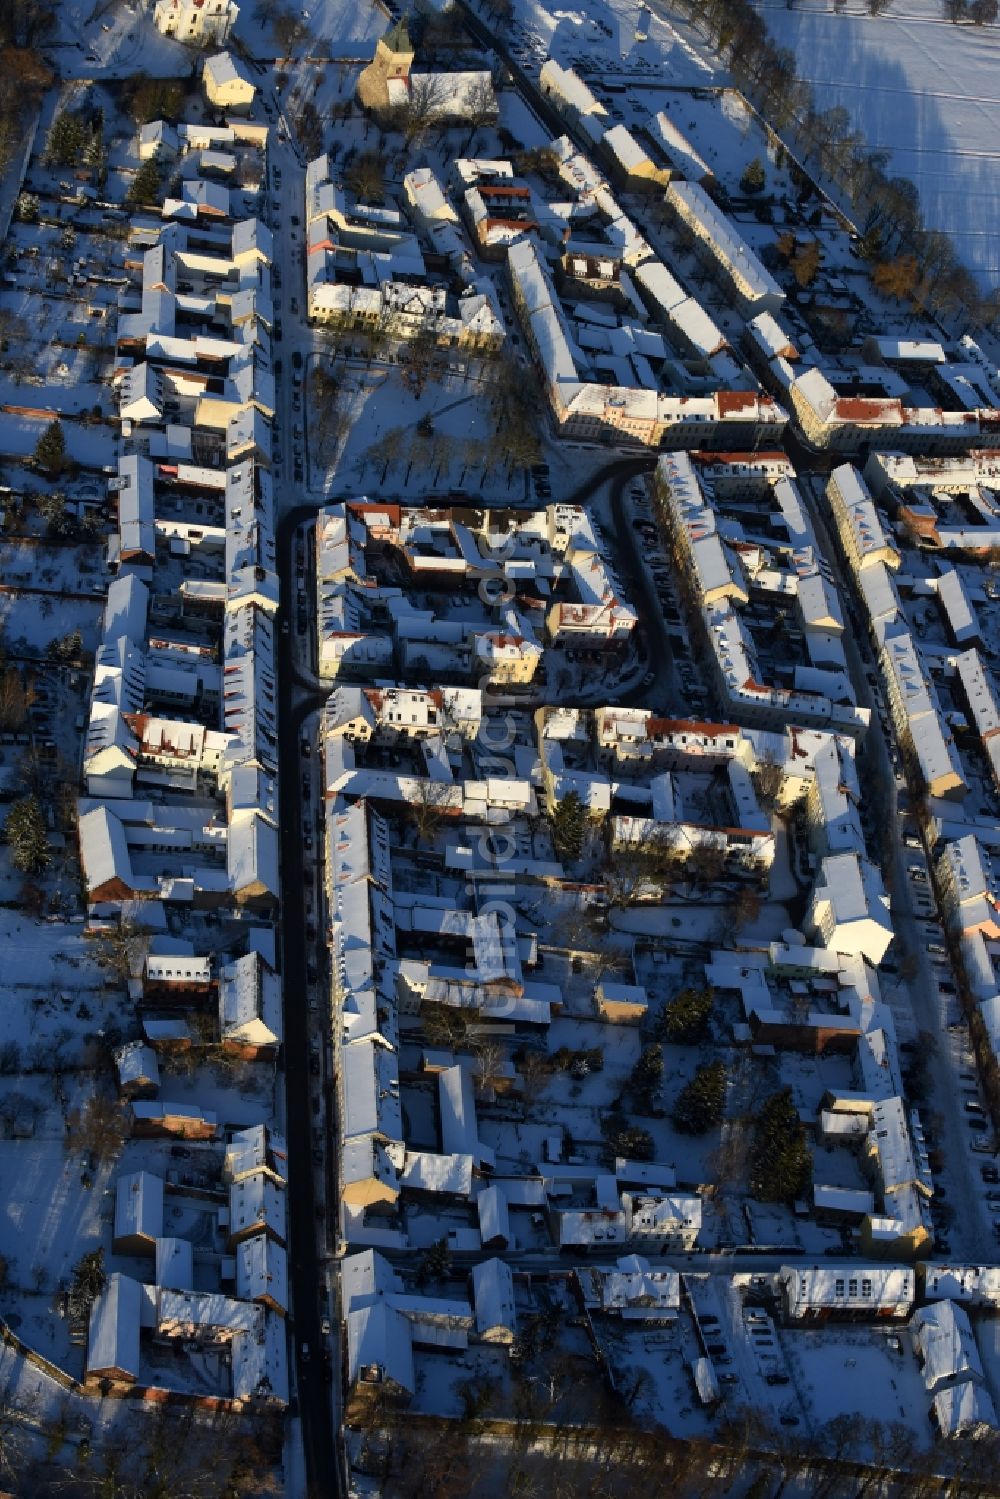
(768, 780)
(366, 177)
(534, 1072)
(390, 448)
(13, 700)
(422, 358)
(123, 949)
(427, 806)
(491, 1054)
(99, 1127)
(480, 104)
(428, 92)
(741, 912)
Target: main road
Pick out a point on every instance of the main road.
(308, 1271)
(318, 1399)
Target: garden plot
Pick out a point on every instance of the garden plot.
(30, 623)
(89, 447)
(51, 987)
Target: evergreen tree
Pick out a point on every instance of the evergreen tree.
(685, 1019)
(699, 1105)
(88, 1282)
(753, 179)
(568, 822)
(50, 449)
(67, 139)
(145, 185)
(66, 648)
(624, 1139)
(27, 838)
(780, 1163)
(52, 509)
(435, 1262)
(646, 1077)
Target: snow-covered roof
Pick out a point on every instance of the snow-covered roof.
(104, 849)
(260, 1359)
(752, 279)
(625, 148)
(964, 1409)
(380, 1346)
(958, 607)
(262, 1270)
(113, 1339)
(223, 69)
(680, 150)
(943, 1337)
(139, 1206)
(459, 1128)
(493, 1293)
(568, 86)
(250, 1002)
(855, 1286)
(256, 1147)
(494, 1218)
(255, 1202)
(137, 1063)
(175, 1264)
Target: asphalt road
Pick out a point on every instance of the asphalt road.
(319, 1431)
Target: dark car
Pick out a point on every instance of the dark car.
(297, 359)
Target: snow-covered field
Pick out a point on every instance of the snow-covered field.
(924, 90)
(917, 86)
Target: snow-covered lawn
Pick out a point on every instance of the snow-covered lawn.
(853, 1371)
(91, 447)
(924, 90)
(337, 29)
(30, 622)
(453, 456)
(49, 1219)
